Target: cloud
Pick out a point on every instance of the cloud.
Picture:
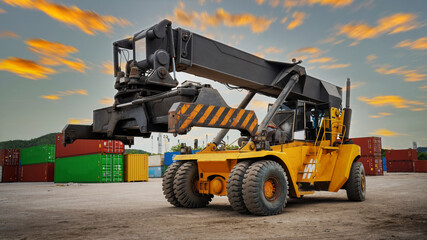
(417, 109)
(61, 94)
(309, 50)
(283, 20)
(260, 2)
(390, 100)
(56, 54)
(8, 34)
(79, 121)
(25, 68)
(385, 133)
(289, 4)
(107, 68)
(273, 50)
(88, 21)
(204, 19)
(381, 114)
(298, 19)
(322, 60)
(51, 97)
(399, 22)
(274, 3)
(334, 66)
(411, 75)
(371, 58)
(424, 87)
(2, 11)
(419, 44)
(107, 101)
(354, 85)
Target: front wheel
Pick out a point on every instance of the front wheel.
(265, 188)
(356, 183)
(184, 187)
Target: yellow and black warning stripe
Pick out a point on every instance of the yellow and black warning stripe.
(187, 115)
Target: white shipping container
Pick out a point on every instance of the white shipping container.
(1, 173)
(155, 160)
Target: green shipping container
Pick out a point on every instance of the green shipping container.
(96, 168)
(38, 154)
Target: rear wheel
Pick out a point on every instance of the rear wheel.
(356, 183)
(167, 184)
(184, 187)
(234, 187)
(265, 188)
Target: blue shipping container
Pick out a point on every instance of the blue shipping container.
(384, 165)
(169, 157)
(155, 172)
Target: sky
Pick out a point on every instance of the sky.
(56, 58)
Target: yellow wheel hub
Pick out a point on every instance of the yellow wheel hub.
(269, 189)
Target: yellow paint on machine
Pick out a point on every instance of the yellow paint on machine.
(135, 167)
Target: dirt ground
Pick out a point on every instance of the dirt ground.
(395, 208)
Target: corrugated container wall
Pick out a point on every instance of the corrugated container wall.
(400, 166)
(10, 173)
(384, 164)
(401, 155)
(87, 147)
(370, 151)
(90, 168)
(42, 172)
(420, 166)
(155, 172)
(369, 146)
(155, 160)
(9, 157)
(169, 157)
(135, 167)
(38, 154)
(372, 165)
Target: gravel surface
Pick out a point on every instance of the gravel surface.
(395, 208)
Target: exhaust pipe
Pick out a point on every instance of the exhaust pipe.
(347, 112)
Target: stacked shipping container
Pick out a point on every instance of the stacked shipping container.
(155, 166)
(89, 161)
(370, 148)
(401, 160)
(37, 164)
(9, 165)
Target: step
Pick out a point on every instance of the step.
(330, 148)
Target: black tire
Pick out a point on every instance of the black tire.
(167, 183)
(184, 189)
(234, 187)
(255, 188)
(356, 183)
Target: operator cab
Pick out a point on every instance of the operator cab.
(296, 120)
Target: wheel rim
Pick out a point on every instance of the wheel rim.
(271, 189)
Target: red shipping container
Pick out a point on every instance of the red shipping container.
(401, 155)
(87, 147)
(420, 166)
(43, 172)
(9, 157)
(400, 166)
(10, 173)
(369, 146)
(373, 165)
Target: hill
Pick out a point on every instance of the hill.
(45, 139)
